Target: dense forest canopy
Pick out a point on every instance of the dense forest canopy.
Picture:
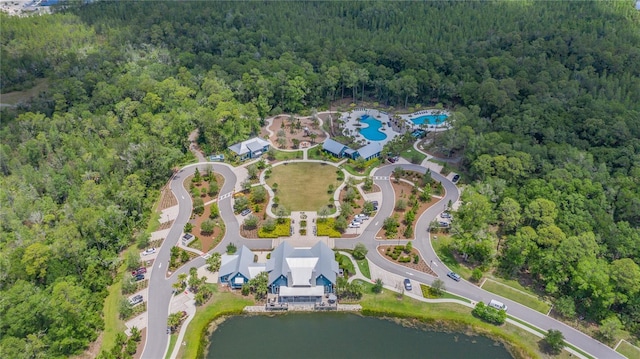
(546, 97)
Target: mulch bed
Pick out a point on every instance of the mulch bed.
(421, 266)
(167, 200)
(208, 241)
(276, 126)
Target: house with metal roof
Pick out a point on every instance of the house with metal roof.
(334, 148)
(302, 275)
(251, 148)
(237, 269)
(369, 151)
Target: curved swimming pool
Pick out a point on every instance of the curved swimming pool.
(430, 119)
(372, 132)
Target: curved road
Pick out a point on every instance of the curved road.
(160, 290)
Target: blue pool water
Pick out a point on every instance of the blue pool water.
(372, 133)
(430, 119)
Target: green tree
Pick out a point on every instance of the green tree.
(377, 286)
(360, 251)
(214, 211)
(133, 260)
(231, 248)
(207, 226)
(438, 287)
(554, 341)
(213, 262)
(610, 328)
(258, 194)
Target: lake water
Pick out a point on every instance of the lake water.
(340, 335)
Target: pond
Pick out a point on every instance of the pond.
(340, 335)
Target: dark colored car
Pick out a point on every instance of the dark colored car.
(141, 270)
(407, 284)
(139, 277)
(456, 178)
(454, 276)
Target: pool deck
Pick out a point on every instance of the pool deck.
(433, 128)
(351, 124)
(350, 120)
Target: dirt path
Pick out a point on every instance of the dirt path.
(193, 146)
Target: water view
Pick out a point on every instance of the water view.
(339, 335)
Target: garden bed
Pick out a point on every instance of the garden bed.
(402, 191)
(421, 266)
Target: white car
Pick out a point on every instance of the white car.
(149, 251)
(354, 225)
(361, 216)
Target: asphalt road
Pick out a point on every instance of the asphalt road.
(160, 290)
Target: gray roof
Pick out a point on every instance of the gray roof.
(240, 264)
(370, 149)
(333, 146)
(252, 144)
(326, 264)
(350, 151)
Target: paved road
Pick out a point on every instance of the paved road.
(160, 289)
(462, 288)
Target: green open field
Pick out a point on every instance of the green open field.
(516, 295)
(628, 350)
(303, 186)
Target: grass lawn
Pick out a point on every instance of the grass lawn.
(349, 166)
(628, 350)
(516, 295)
(112, 323)
(283, 156)
(222, 303)
(345, 263)
(410, 153)
(426, 292)
(303, 186)
(172, 343)
(363, 265)
(442, 246)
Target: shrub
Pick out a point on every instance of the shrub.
(489, 314)
(188, 227)
(554, 341)
(231, 248)
(377, 287)
(405, 259)
(476, 275)
(207, 226)
(416, 259)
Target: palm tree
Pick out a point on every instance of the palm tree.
(313, 137)
(213, 262)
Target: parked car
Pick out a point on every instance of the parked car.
(443, 224)
(498, 305)
(445, 215)
(149, 251)
(245, 212)
(392, 159)
(137, 299)
(362, 216)
(407, 284)
(455, 178)
(354, 225)
(454, 276)
(141, 270)
(139, 277)
(357, 220)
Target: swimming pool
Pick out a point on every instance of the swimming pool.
(430, 119)
(372, 133)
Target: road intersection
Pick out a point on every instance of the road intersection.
(160, 285)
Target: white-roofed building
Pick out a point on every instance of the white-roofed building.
(302, 275)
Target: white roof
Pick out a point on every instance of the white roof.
(256, 269)
(301, 291)
(302, 270)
